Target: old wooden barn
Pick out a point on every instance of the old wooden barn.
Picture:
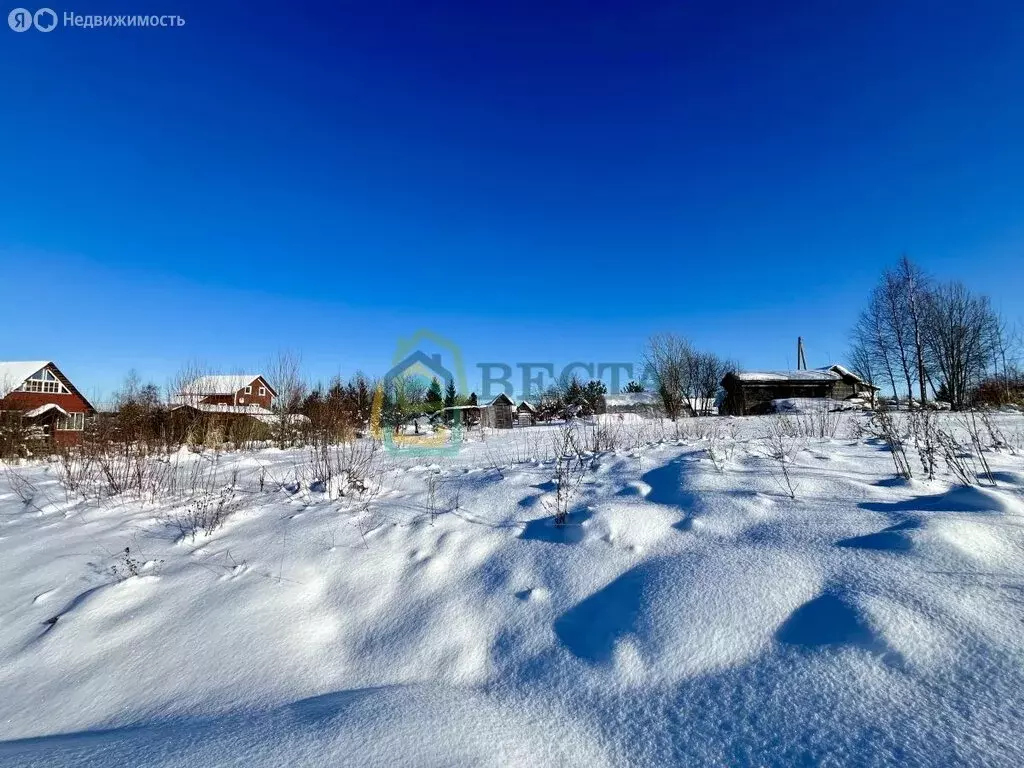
(752, 392)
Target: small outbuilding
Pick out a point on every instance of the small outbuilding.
(526, 414)
(497, 414)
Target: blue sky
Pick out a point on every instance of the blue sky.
(328, 179)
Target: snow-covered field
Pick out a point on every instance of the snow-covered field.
(690, 613)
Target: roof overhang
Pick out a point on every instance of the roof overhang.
(42, 410)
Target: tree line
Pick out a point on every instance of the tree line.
(922, 337)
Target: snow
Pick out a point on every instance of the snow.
(773, 376)
(36, 412)
(251, 409)
(817, 404)
(13, 374)
(691, 613)
(627, 399)
(219, 384)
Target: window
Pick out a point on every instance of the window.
(248, 390)
(263, 391)
(72, 422)
(46, 382)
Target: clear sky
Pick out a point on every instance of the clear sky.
(545, 181)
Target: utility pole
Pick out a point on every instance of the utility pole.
(801, 361)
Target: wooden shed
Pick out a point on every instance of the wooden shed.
(526, 414)
(498, 413)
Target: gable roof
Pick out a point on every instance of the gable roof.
(501, 396)
(13, 375)
(222, 384)
(847, 374)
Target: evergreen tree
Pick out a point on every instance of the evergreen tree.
(593, 397)
(472, 399)
(634, 386)
(574, 393)
(434, 391)
(450, 401)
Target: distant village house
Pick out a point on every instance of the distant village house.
(753, 392)
(42, 398)
(236, 405)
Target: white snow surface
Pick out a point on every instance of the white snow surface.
(691, 613)
(816, 374)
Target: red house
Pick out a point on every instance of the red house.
(41, 396)
(247, 390)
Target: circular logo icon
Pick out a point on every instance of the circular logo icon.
(45, 20)
(20, 19)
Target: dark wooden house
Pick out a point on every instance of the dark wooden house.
(752, 392)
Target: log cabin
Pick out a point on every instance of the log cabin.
(750, 393)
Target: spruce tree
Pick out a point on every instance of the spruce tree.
(434, 391)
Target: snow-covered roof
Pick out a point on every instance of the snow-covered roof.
(626, 399)
(846, 373)
(13, 375)
(250, 410)
(35, 412)
(219, 384)
(770, 377)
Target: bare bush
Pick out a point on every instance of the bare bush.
(205, 514)
(781, 446)
(926, 438)
(974, 427)
(346, 468)
(127, 565)
(570, 468)
(885, 425)
(23, 488)
(821, 420)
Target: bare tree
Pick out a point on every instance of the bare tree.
(669, 359)
(961, 338)
(1005, 356)
(916, 286)
(889, 337)
(898, 331)
(871, 334)
(284, 372)
(862, 361)
(709, 370)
